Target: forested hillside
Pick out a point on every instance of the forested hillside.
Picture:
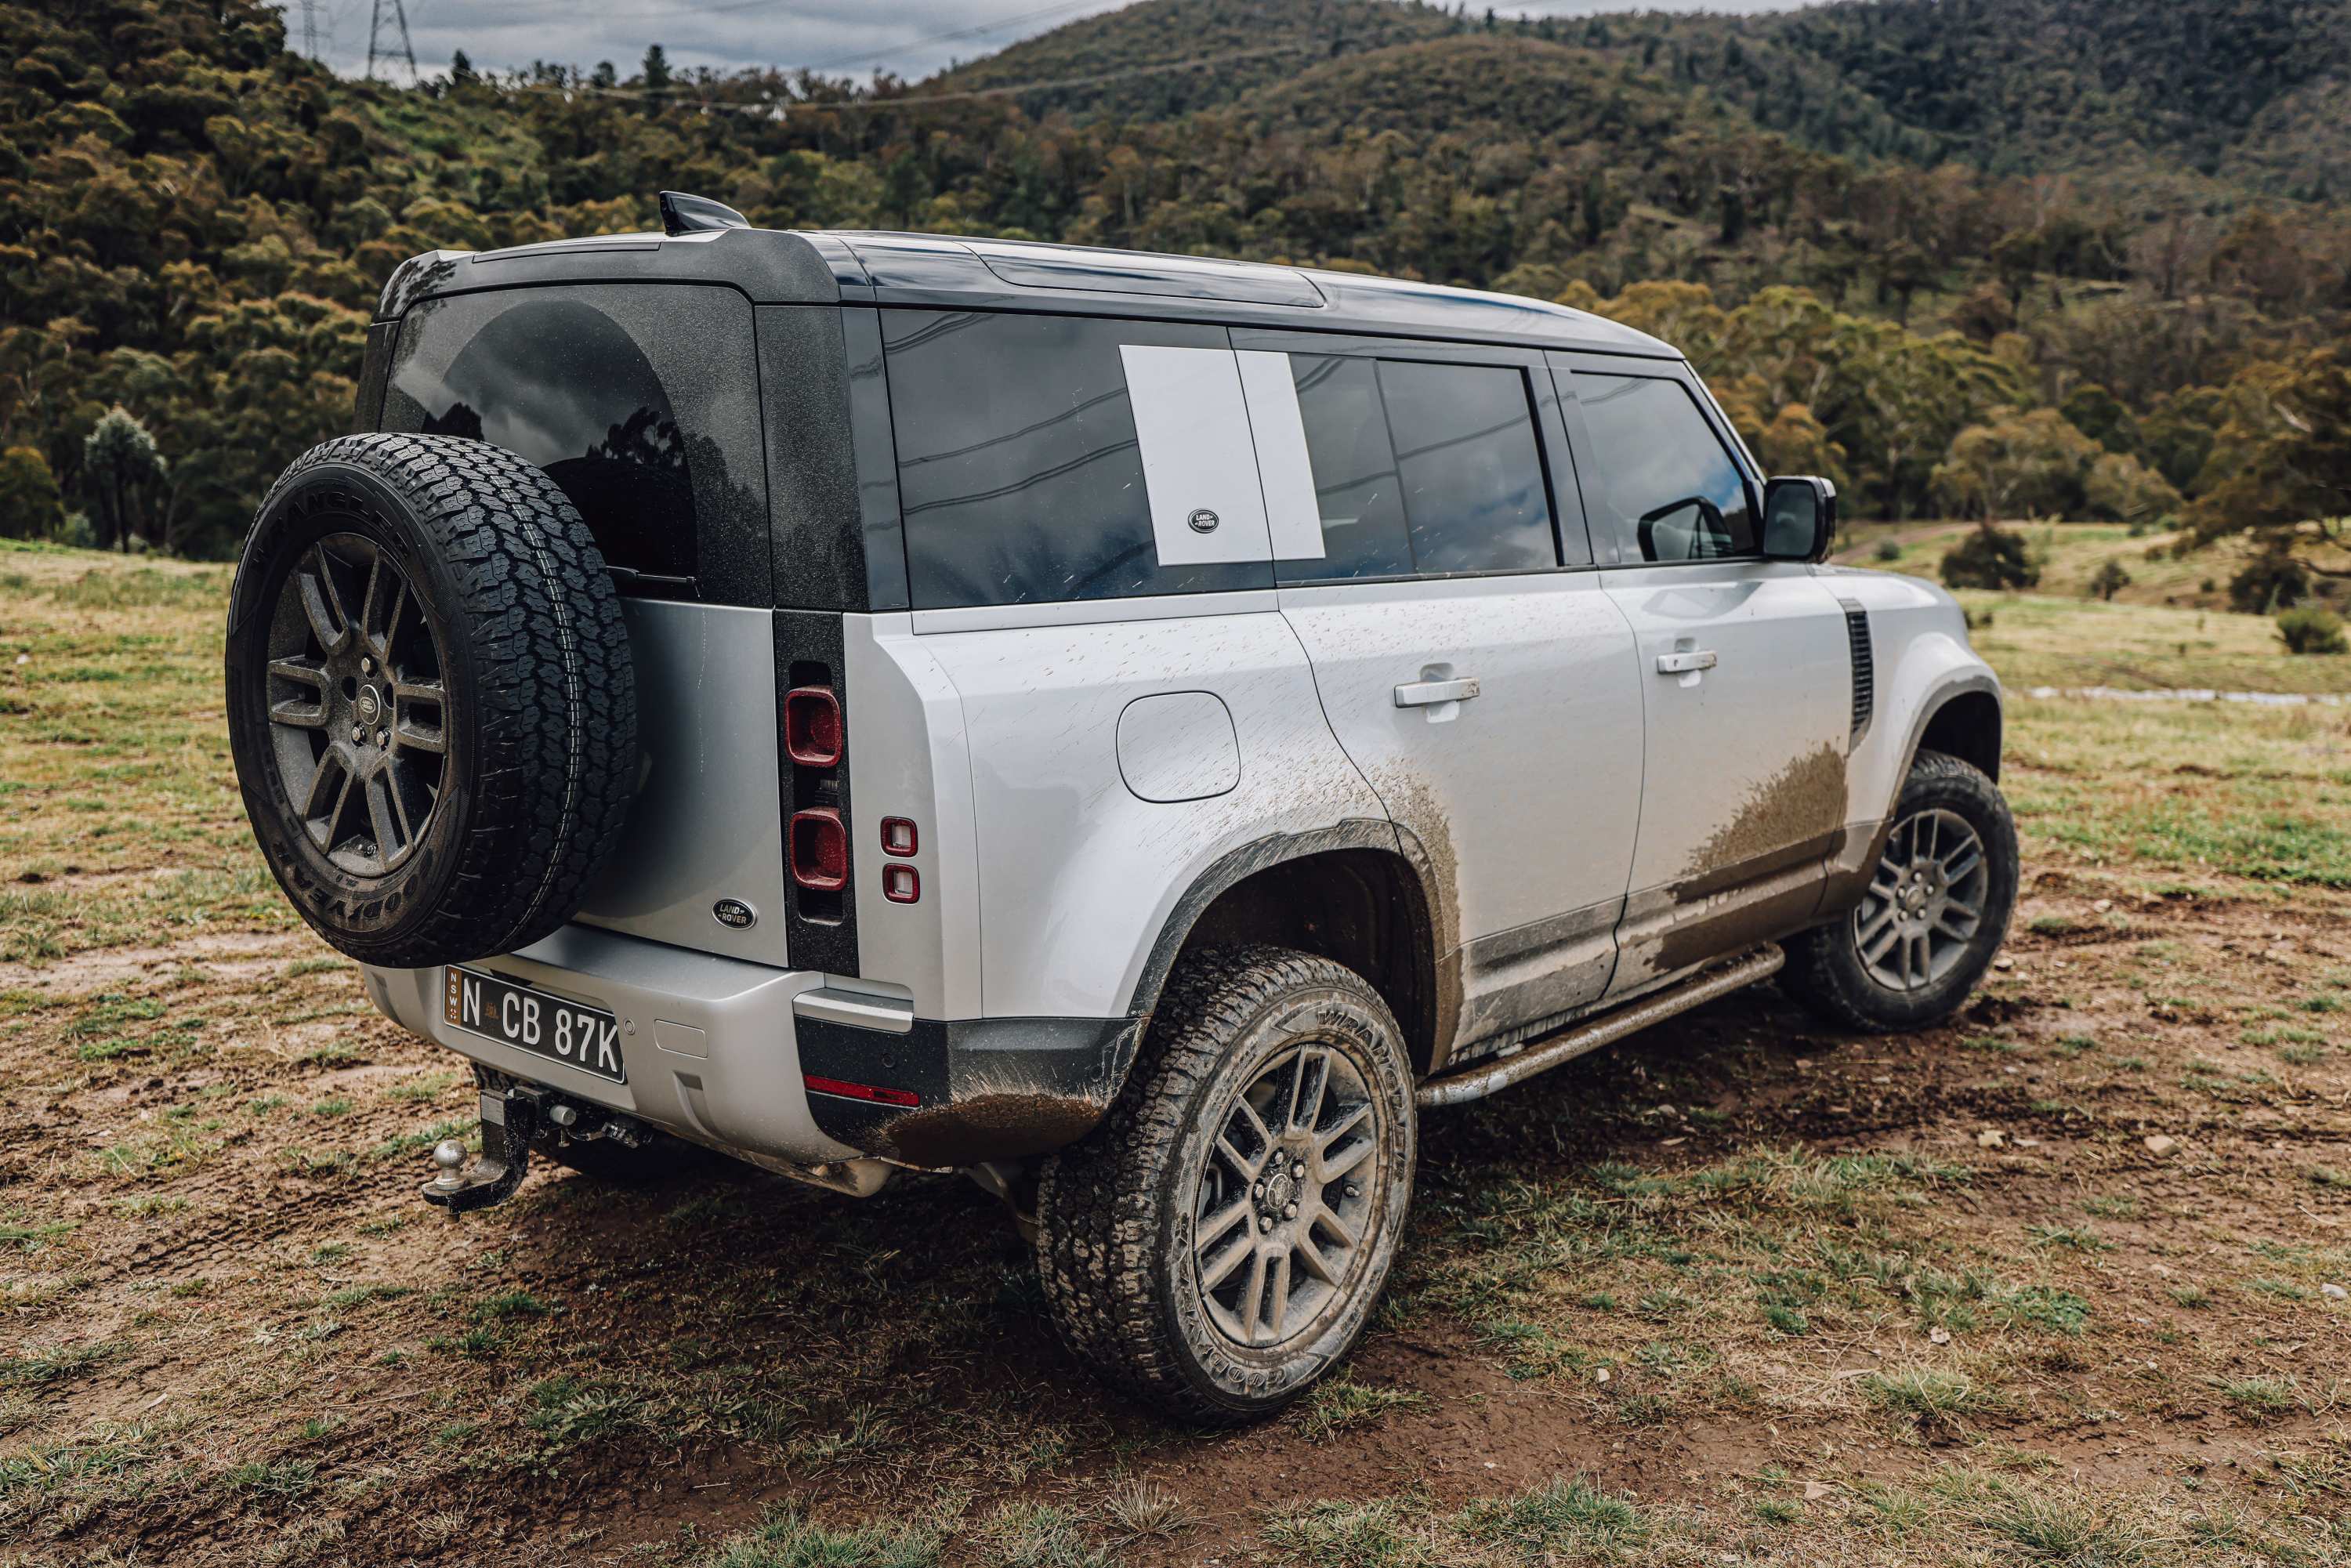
(1996, 257)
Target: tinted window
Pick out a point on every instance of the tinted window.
(1357, 489)
(640, 402)
(1421, 468)
(1472, 477)
(1020, 473)
(1666, 482)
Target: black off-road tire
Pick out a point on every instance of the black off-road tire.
(537, 717)
(1825, 968)
(1116, 1210)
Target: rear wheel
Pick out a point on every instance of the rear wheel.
(1936, 911)
(1219, 1243)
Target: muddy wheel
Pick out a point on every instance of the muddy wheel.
(1936, 912)
(430, 699)
(1218, 1242)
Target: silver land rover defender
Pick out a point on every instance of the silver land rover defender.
(1133, 728)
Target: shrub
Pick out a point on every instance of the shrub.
(2272, 581)
(2310, 629)
(1889, 549)
(2109, 579)
(1989, 558)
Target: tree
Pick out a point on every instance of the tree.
(2032, 464)
(1989, 558)
(30, 506)
(124, 466)
(2284, 454)
(2110, 578)
(656, 76)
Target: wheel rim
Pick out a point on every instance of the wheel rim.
(1925, 903)
(1286, 1202)
(358, 718)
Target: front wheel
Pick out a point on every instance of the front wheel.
(1936, 912)
(1217, 1244)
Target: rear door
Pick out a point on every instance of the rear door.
(1745, 674)
(1486, 690)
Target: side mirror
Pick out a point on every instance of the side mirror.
(1799, 519)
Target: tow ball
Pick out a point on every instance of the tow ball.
(508, 1123)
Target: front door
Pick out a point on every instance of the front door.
(1745, 677)
(1488, 696)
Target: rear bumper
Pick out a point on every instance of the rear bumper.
(723, 1052)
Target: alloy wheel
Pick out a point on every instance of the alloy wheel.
(359, 719)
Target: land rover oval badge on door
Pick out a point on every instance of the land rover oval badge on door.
(733, 914)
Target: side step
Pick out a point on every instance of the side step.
(1591, 1034)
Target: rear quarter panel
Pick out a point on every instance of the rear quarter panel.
(1077, 872)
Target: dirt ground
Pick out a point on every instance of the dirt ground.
(2061, 1283)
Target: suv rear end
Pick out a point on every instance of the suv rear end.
(777, 970)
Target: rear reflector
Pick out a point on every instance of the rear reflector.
(871, 1094)
(819, 849)
(812, 726)
(898, 836)
(900, 883)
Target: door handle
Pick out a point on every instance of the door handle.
(1422, 694)
(1685, 663)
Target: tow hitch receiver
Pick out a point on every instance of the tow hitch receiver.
(508, 1123)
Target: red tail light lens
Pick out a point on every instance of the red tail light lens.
(819, 849)
(872, 1093)
(898, 836)
(900, 883)
(812, 726)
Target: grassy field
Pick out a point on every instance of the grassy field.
(2062, 1283)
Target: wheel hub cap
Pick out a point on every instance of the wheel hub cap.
(1925, 903)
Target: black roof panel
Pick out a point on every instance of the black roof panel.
(790, 266)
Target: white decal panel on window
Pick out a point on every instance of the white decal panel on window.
(1193, 423)
(1292, 510)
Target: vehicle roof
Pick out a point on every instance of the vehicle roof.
(783, 266)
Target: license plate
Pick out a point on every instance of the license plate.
(533, 1021)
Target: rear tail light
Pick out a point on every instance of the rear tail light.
(898, 836)
(900, 883)
(812, 726)
(819, 849)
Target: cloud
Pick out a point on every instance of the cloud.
(850, 37)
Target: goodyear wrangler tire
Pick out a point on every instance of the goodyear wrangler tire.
(430, 699)
(1219, 1243)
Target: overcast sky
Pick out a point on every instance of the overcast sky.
(847, 38)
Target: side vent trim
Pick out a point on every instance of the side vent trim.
(1865, 667)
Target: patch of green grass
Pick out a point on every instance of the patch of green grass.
(1930, 1394)
(2078, 1238)
(273, 1478)
(1380, 1534)
(2261, 1395)
(2038, 1306)
(1568, 1520)
(31, 1236)
(1342, 1404)
(789, 1539)
(2064, 1534)
(37, 1368)
(511, 1304)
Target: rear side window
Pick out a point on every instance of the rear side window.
(1420, 468)
(1666, 483)
(641, 400)
(1021, 476)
